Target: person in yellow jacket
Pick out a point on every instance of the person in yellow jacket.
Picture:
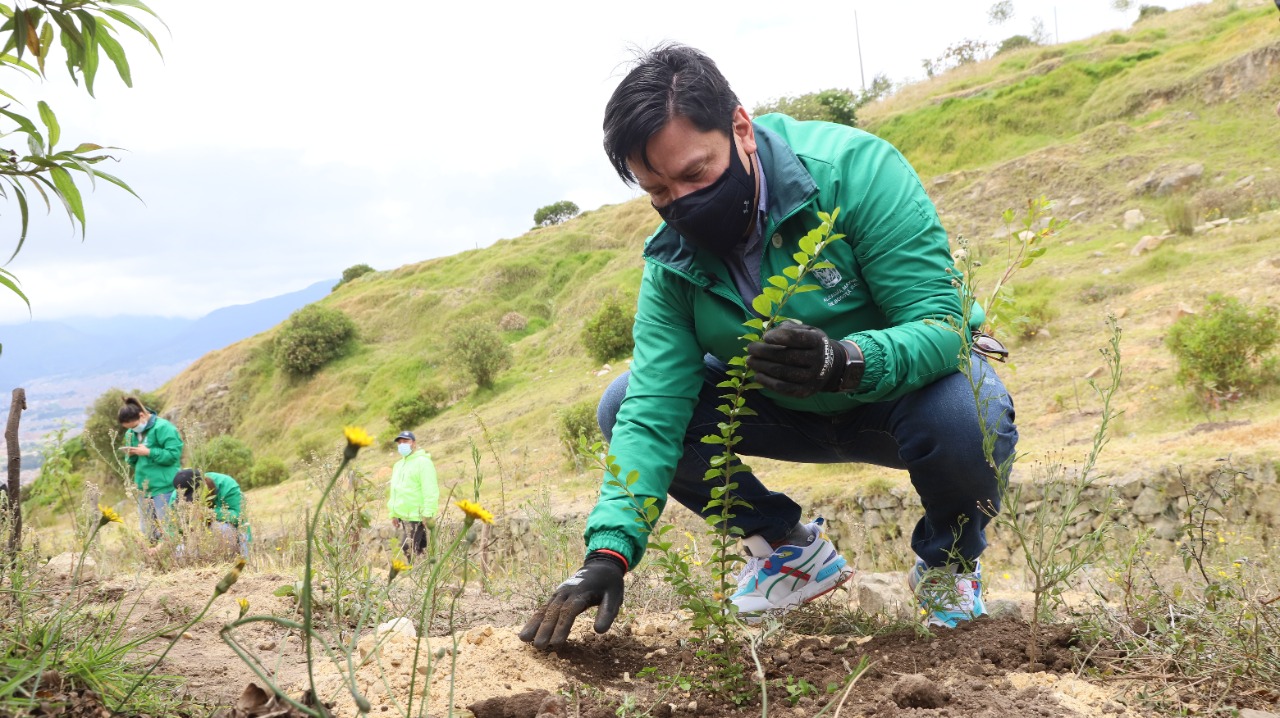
(415, 495)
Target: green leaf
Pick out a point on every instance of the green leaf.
(137, 4)
(762, 305)
(792, 272)
(24, 125)
(46, 43)
(823, 265)
(773, 293)
(7, 279)
(69, 28)
(807, 288)
(51, 122)
(778, 282)
(285, 590)
(807, 244)
(754, 323)
(134, 25)
(69, 193)
(117, 56)
(20, 25)
(750, 337)
(22, 209)
(713, 439)
(117, 182)
(801, 258)
(89, 63)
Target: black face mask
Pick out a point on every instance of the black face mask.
(717, 217)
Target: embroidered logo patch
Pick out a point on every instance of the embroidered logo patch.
(828, 277)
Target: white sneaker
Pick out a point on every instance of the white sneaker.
(783, 578)
(946, 596)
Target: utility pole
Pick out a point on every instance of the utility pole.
(858, 40)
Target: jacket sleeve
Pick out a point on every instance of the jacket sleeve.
(167, 449)
(648, 438)
(904, 257)
(430, 488)
(229, 511)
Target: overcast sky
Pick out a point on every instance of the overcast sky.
(280, 141)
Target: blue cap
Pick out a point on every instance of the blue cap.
(407, 435)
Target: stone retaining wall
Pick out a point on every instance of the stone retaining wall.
(873, 530)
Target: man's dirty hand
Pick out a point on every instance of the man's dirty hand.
(597, 583)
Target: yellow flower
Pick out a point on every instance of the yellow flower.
(109, 515)
(397, 567)
(357, 436)
(357, 439)
(1006, 576)
(244, 607)
(475, 511)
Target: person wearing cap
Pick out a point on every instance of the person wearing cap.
(415, 496)
(222, 494)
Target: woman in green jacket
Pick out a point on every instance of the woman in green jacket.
(153, 448)
(222, 494)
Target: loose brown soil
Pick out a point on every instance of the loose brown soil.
(647, 665)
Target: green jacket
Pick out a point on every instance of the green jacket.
(227, 498)
(890, 292)
(153, 473)
(414, 492)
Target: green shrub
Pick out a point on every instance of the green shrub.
(225, 455)
(1117, 38)
(607, 335)
(312, 337)
(1224, 349)
(1146, 11)
(267, 471)
(479, 350)
(578, 421)
(1180, 216)
(555, 213)
(352, 272)
(410, 411)
(834, 105)
(1035, 313)
(1014, 42)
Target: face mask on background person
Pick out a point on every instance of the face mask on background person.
(404, 449)
(716, 217)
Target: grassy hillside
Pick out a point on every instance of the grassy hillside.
(1083, 123)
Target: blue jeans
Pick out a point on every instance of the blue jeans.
(152, 512)
(232, 536)
(933, 433)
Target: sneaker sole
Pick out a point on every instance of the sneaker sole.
(809, 593)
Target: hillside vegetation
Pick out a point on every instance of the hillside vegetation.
(1094, 125)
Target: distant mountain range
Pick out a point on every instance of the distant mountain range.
(64, 365)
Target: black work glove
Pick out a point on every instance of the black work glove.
(597, 583)
(799, 360)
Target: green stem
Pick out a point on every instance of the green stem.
(429, 599)
(75, 578)
(305, 600)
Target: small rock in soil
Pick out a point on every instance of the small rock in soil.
(916, 691)
(521, 705)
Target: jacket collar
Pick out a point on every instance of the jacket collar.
(790, 187)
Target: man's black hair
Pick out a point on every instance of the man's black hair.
(669, 81)
(185, 481)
